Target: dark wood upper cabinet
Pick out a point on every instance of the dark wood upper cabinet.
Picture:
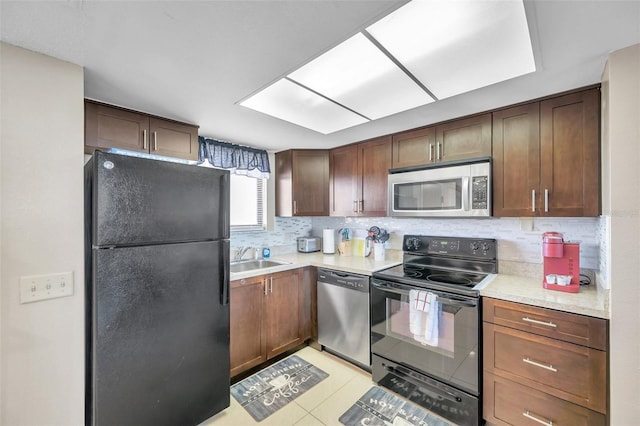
(358, 178)
(570, 154)
(546, 157)
(454, 140)
(302, 183)
(173, 139)
(413, 148)
(465, 138)
(113, 127)
(516, 160)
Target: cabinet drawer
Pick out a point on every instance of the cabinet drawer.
(508, 403)
(574, 328)
(571, 372)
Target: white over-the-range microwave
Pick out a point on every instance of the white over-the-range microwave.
(452, 189)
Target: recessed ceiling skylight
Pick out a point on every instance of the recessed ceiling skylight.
(290, 102)
(428, 47)
(361, 77)
(454, 47)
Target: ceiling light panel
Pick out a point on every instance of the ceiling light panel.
(290, 102)
(358, 75)
(457, 46)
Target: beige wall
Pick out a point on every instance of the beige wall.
(41, 177)
(621, 205)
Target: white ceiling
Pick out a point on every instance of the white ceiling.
(194, 61)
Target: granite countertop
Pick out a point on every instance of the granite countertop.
(591, 300)
(353, 264)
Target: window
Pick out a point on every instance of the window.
(248, 211)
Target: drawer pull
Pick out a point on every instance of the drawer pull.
(535, 419)
(537, 364)
(548, 324)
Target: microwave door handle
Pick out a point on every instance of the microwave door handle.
(465, 193)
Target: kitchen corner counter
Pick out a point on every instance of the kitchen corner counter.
(591, 300)
(352, 264)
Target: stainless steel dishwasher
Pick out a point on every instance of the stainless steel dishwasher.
(343, 315)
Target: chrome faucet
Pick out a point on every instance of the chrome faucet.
(240, 252)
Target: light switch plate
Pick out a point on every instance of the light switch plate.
(42, 287)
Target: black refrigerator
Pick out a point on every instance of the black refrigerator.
(157, 291)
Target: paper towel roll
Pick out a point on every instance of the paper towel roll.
(328, 241)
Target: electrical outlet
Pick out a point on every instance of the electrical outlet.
(41, 287)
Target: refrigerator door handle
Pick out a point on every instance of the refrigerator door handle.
(224, 279)
(225, 197)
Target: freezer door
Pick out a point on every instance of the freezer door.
(138, 201)
(159, 334)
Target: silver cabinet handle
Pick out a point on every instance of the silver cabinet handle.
(295, 207)
(265, 286)
(530, 416)
(430, 152)
(144, 138)
(155, 141)
(438, 150)
(271, 285)
(533, 200)
(361, 202)
(545, 323)
(537, 364)
(546, 200)
(355, 206)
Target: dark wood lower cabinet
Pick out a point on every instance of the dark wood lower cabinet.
(270, 314)
(248, 343)
(509, 403)
(542, 366)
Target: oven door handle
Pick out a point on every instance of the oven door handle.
(456, 302)
(385, 287)
(466, 303)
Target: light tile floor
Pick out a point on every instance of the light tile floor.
(323, 404)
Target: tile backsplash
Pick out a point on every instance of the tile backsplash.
(519, 240)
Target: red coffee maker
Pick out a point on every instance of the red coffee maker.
(561, 263)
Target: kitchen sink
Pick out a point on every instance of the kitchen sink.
(250, 265)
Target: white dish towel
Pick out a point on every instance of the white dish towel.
(424, 313)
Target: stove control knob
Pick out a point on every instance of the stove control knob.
(475, 245)
(413, 244)
(486, 246)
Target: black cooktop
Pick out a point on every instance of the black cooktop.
(446, 263)
(420, 275)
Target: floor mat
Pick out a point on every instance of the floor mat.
(378, 407)
(269, 390)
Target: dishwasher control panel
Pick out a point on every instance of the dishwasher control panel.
(344, 279)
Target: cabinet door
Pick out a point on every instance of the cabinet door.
(374, 162)
(413, 148)
(508, 403)
(462, 139)
(343, 181)
(567, 371)
(570, 154)
(283, 314)
(310, 183)
(173, 139)
(109, 127)
(248, 341)
(516, 161)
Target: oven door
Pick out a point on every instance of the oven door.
(439, 340)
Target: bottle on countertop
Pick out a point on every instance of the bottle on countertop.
(266, 252)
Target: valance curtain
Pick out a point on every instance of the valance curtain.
(241, 160)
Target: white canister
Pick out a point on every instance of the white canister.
(378, 251)
(328, 241)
